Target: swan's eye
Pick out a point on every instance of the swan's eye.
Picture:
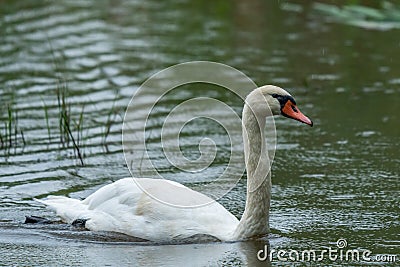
(294, 109)
(275, 95)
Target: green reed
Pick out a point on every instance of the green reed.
(64, 121)
(12, 133)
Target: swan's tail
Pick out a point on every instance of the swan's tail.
(68, 209)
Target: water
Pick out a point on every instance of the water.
(339, 179)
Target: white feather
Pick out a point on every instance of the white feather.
(123, 207)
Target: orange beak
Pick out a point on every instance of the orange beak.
(290, 110)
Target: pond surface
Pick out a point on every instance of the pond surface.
(339, 179)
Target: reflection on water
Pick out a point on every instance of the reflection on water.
(339, 179)
(100, 248)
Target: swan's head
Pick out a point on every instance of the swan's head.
(280, 102)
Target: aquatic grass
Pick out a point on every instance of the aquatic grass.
(46, 116)
(70, 131)
(64, 115)
(1, 140)
(79, 126)
(64, 108)
(22, 137)
(12, 136)
(15, 124)
(9, 126)
(67, 129)
(12, 132)
(107, 131)
(384, 18)
(109, 122)
(17, 129)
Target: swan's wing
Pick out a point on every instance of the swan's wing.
(123, 207)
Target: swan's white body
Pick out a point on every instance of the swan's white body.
(124, 207)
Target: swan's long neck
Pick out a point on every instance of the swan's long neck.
(255, 219)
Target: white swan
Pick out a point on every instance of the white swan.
(123, 207)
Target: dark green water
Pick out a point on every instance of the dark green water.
(339, 179)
